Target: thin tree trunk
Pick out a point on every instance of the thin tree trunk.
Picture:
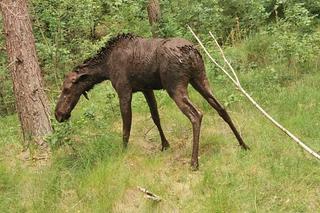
(31, 101)
(154, 14)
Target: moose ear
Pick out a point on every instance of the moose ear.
(80, 77)
(85, 94)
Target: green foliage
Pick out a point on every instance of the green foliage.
(298, 17)
(259, 51)
(61, 29)
(249, 15)
(295, 41)
(61, 135)
(202, 14)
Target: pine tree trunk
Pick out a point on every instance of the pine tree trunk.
(154, 14)
(31, 102)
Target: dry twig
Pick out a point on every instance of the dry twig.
(150, 195)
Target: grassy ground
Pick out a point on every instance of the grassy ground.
(89, 172)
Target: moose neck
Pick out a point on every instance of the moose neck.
(96, 74)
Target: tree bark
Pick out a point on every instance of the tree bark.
(154, 14)
(31, 101)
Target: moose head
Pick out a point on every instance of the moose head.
(75, 84)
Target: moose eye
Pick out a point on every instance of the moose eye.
(66, 90)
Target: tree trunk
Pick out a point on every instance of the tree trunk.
(31, 102)
(154, 14)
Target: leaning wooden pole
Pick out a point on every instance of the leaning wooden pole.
(236, 81)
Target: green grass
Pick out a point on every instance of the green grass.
(89, 171)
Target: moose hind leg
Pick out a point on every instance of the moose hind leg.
(126, 114)
(182, 100)
(152, 103)
(202, 86)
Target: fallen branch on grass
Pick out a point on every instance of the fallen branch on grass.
(236, 81)
(150, 195)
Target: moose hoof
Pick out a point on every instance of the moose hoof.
(194, 166)
(245, 147)
(165, 147)
(124, 147)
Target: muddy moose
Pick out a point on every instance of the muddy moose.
(135, 64)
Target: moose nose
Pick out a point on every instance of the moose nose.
(58, 116)
(61, 117)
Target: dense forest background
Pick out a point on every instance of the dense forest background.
(274, 32)
(274, 45)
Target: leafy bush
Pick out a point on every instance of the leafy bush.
(294, 39)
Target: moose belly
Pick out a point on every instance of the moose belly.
(145, 81)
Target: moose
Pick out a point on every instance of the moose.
(136, 64)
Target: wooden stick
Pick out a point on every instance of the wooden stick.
(149, 194)
(238, 85)
(225, 59)
(211, 58)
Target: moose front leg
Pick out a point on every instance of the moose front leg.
(126, 114)
(152, 103)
